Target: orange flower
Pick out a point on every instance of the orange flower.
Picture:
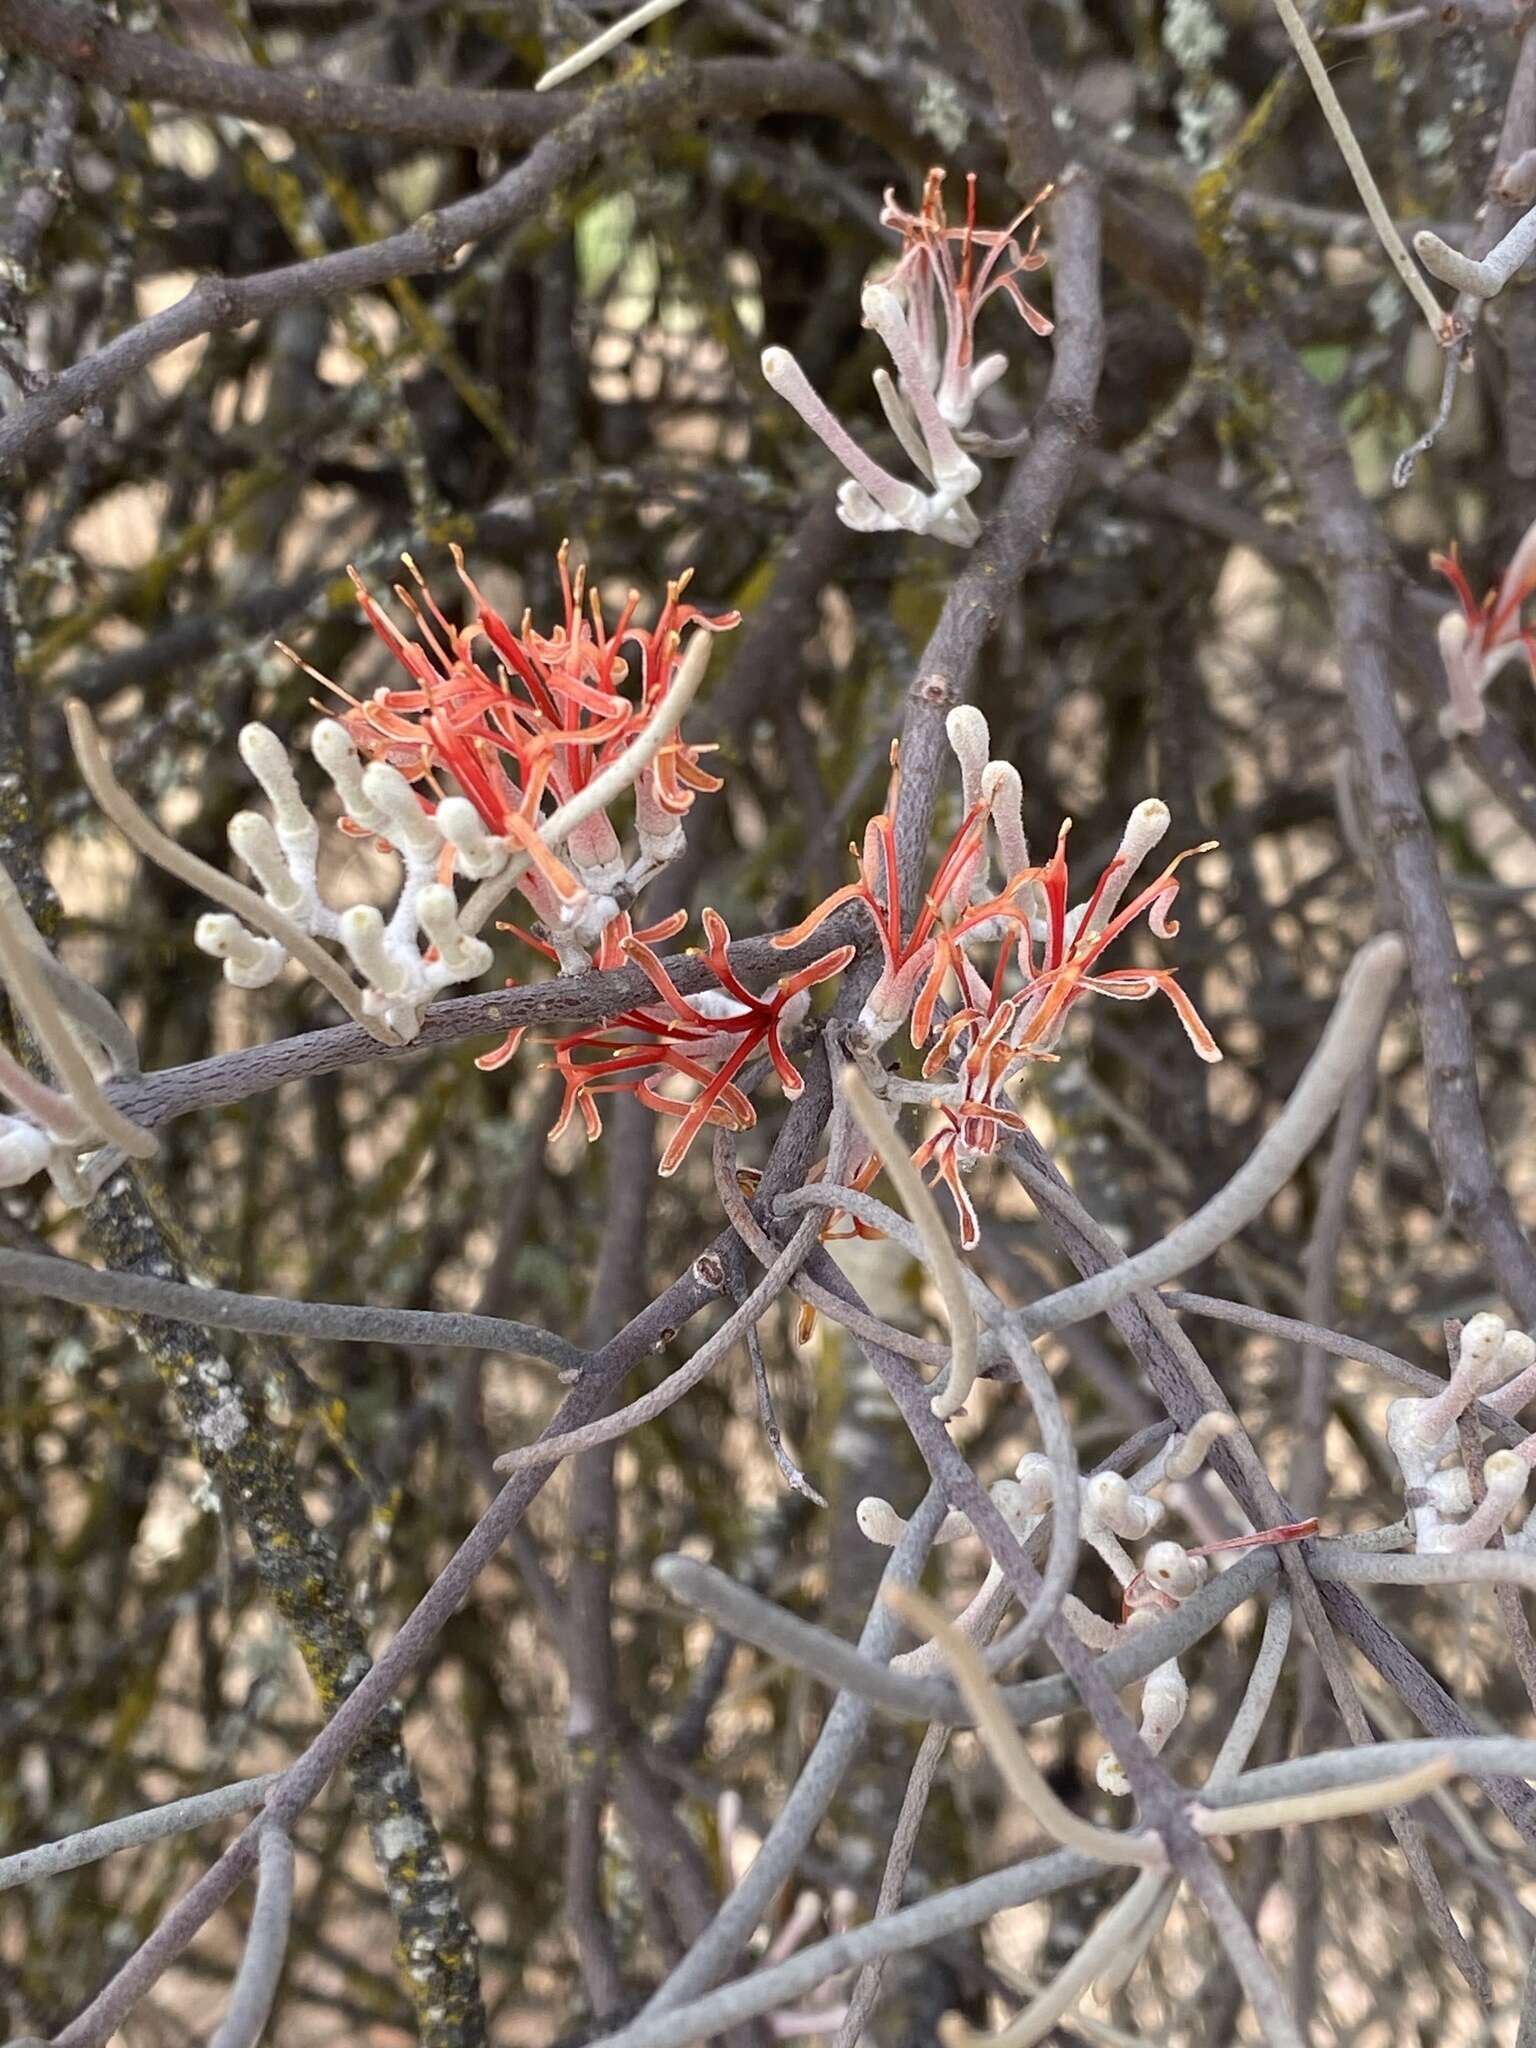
(705, 1040)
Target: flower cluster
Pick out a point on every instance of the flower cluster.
(459, 773)
(1496, 1365)
(925, 313)
(1045, 956)
(1483, 637)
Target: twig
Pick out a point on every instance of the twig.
(154, 1824)
(266, 1943)
(215, 1308)
(1439, 322)
(609, 39)
(198, 874)
(943, 1261)
(1356, 1021)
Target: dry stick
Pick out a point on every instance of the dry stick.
(943, 1262)
(1186, 1384)
(1324, 1770)
(767, 1990)
(914, 1803)
(434, 241)
(549, 1450)
(1295, 1331)
(86, 44)
(1258, 1694)
(1356, 1022)
(198, 874)
(965, 1288)
(605, 786)
(566, 1002)
(330, 1322)
(1161, 1804)
(1112, 1936)
(132, 1831)
(1346, 1800)
(1360, 171)
(309, 1773)
(1013, 1760)
(266, 1943)
(26, 982)
(841, 1733)
(1353, 554)
(806, 1646)
(609, 39)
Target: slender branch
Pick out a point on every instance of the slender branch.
(154, 1824)
(266, 1943)
(215, 1308)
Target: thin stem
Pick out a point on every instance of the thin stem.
(215, 1308)
(132, 1831)
(608, 39)
(1357, 1018)
(1360, 171)
(1341, 1802)
(1013, 1760)
(266, 1943)
(549, 1450)
(30, 988)
(944, 1262)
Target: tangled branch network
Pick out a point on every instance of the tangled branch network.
(377, 1147)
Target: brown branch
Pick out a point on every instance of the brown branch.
(1354, 561)
(434, 242)
(84, 44)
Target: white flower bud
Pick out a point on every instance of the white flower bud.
(1482, 1341)
(971, 741)
(267, 758)
(1143, 829)
(249, 961)
(409, 828)
(24, 1151)
(437, 912)
(1004, 792)
(879, 1521)
(1170, 1569)
(478, 855)
(1034, 1475)
(1505, 1477)
(1110, 1502)
(361, 931)
(1164, 1702)
(331, 745)
(252, 837)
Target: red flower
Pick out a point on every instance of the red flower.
(1073, 946)
(532, 725)
(705, 1041)
(915, 967)
(1477, 641)
(931, 282)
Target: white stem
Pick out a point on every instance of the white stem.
(1360, 170)
(615, 33)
